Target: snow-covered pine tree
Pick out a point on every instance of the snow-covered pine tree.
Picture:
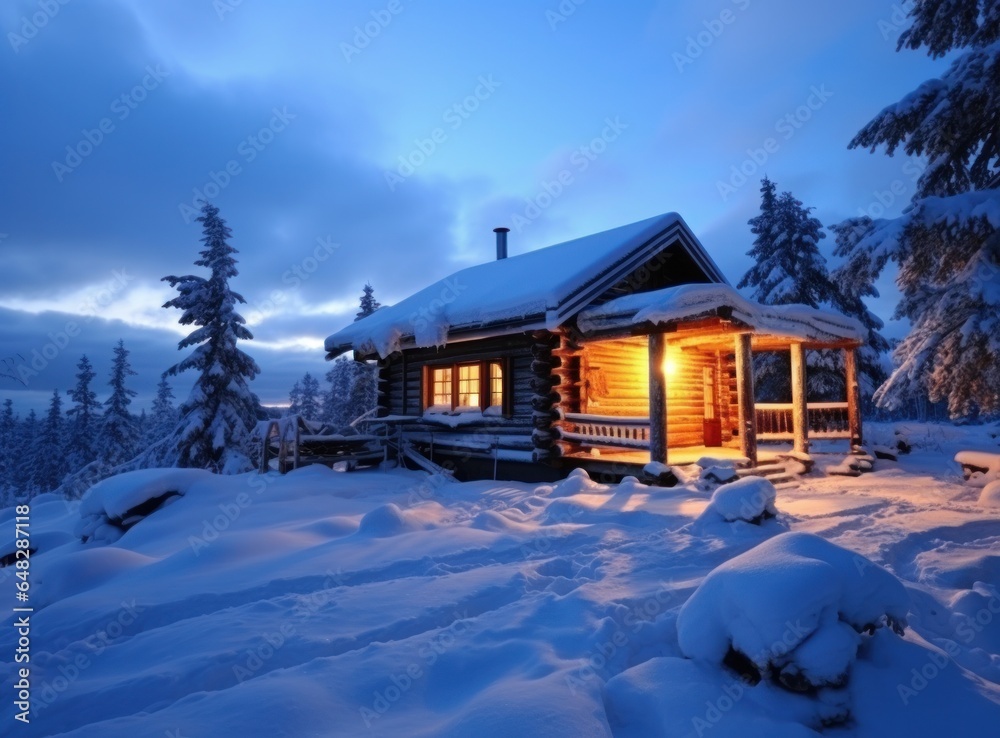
(119, 437)
(163, 418)
(9, 451)
(142, 426)
(368, 302)
(216, 419)
(789, 269)
(855, 280)
(83, 419)
(946, 243)
(25, 464)
(295, 399)
(309, 399)
(363, 396)
(335, 397)
(51, 465)
(352, 391)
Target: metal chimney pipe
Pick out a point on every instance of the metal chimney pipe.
(501, 242)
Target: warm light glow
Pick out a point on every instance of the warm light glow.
(670, 366)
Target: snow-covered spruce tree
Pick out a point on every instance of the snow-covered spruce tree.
(213, 431)
(352, 392)
(51, 452)
(119, 437)
(9, 452)
(789, 269)
(309, 399)
(294, 399)
(334, 410)
(363, 395)
(163, 418)
(855, 280)
(368, 303)
(27, 461)
(84, 419)
(946, 243)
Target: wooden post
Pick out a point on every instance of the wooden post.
(800, 410)
(853, 397)
(744, 385)
(657, 398)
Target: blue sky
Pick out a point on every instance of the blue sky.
(383, 141)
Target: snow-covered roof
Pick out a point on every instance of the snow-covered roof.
(691, 301)
(537, 289)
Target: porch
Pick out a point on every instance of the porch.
(668, 377)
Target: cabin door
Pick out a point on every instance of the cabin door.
(713, 423)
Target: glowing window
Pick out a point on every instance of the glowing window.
(441, 386)
(468, 385)
(496, 384)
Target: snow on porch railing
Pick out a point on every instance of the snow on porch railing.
(605, 430)
(825, 420)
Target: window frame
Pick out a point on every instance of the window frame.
(485, 384)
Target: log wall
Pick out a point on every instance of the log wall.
(616, 383)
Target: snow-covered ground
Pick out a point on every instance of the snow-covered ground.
(325, 603)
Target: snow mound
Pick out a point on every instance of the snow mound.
(990, 495)
(792, 609)
(114, 505)
(668, 696)
(576, 482)
(750, 499)
(83, 570)
(632, 485)
(497, 522)
(391, 520)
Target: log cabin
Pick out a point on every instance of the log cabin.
(608, 352)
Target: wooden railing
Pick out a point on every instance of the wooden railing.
(774, 423)
(605, 430)
(825, 420)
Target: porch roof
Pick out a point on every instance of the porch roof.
(719, 310)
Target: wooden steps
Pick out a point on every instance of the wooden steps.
(777, 474)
